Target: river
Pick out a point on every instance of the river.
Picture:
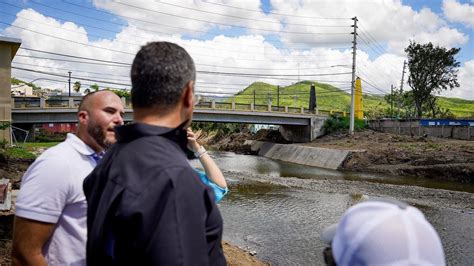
(279, 209)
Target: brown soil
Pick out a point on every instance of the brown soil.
(430, 157)
(236, 256)
(437, 158)
(232, 142)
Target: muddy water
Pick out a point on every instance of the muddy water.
(282, 223)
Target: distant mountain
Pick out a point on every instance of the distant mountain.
(333, 98)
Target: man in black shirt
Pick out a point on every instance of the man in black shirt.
(146, 205)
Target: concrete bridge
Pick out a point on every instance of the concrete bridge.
(296, 124)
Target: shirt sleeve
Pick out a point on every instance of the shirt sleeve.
(219, 192)
(44, 190)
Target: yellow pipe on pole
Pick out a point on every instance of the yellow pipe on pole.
(359, 112)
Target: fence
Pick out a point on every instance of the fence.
(416, 128)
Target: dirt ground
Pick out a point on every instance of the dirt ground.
(437, 158)
(238, 257)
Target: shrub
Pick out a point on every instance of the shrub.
(337, 123)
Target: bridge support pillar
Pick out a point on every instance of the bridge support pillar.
(213, 104)
(304, 133)
(233, 104)
(269, 108)
(8, 49)
(252, 107)
(42, 102)
(71, 103)
(286, 109)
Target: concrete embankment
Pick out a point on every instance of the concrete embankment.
(293, 153)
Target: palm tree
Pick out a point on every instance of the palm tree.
(77, 86)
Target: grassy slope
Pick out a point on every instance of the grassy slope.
(332, 98)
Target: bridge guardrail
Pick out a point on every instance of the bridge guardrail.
(36, 103)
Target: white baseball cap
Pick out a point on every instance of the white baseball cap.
(384, 232)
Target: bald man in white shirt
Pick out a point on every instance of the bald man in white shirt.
(50, 225)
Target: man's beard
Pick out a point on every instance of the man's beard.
(99, 135)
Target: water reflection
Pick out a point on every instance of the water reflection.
(283, 224)
(230, 161)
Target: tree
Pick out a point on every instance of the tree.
(77, 86)
(94, 87)
(432, 70)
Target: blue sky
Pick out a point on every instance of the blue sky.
(385, 29)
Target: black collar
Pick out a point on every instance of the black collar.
(132, 131)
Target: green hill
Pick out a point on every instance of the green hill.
(333, 98)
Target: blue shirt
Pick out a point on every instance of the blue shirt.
(218, 191)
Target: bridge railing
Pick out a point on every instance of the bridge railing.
(35, 103)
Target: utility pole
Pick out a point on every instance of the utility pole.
(69, 80)
(391, 101)
(254, 98)
(354, 51)
(401, 86)
(278, 97)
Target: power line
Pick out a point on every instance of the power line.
(200, 83)
(69, 61)
(145, 21)
(74, 56)
(248, 19)
(198, 64)
(229, 25)
(132, 54)
(216, 72)
(369, 78)
(274, 13)
(137, 44)
(64, 76)
(373, 86)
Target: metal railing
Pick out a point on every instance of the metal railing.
(36, 103)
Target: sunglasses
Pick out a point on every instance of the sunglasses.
(328, 257)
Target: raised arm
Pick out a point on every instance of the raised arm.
(210, 167)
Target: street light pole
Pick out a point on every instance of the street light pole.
(69, 81)
(354, 50)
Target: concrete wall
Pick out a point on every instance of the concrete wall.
(304, 133)
(414, 128)
(8, 48)
(312, 156)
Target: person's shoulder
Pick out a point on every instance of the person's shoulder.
(71, 147)
(56, 152)
(157, 150)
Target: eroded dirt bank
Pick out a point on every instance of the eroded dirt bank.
(429, 157)
(436, 158)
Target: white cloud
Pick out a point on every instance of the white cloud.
(390, 23)
(457, 12)
(466, 81)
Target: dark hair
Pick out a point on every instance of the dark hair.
(160, 72)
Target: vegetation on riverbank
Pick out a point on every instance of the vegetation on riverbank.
(25, 151)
